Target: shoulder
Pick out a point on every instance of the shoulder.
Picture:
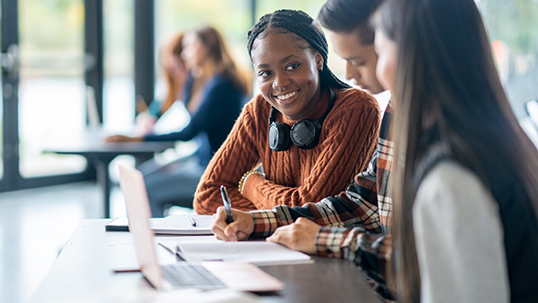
(449, 189)
(219, 82)
(354, 107)
(256, 110)
(353, 98)
(258, 107)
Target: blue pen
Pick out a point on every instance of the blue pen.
(227, 205)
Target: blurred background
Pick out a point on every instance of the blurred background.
(52, 50)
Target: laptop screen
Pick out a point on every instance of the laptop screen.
(137, 202)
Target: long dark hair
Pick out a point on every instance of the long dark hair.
(447, 90)
(220, 57)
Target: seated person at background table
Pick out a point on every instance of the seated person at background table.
(465, 204)
(175, 74)
(300, 100)
(214, 94)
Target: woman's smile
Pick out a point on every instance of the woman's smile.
(285, 99)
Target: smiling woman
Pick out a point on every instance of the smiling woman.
(304, 137)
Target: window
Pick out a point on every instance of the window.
(119, 100)
(513, 30)
(52, 88)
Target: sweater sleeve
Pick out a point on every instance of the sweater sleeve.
(459, 239)
(237, 155)
(352, 137)
(211, 109)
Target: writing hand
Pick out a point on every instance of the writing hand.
(239, 229)
(300, 235)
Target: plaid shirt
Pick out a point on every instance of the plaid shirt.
(356, 223)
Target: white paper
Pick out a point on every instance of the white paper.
(181, 225)
(255, 252)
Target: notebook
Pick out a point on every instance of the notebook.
(255, 252)
(171, 225)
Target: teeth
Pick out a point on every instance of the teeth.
(286, 96)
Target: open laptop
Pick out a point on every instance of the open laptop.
(205, 275)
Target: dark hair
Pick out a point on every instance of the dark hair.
(220, 56)
(447, 90)
(348, 16)
(301, 24)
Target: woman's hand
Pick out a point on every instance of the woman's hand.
(239, 229)
(300, 235)
(121, 138)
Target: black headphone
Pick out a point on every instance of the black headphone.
(304, 133)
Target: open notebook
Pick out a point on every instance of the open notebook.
(255, 252)
(171, 225)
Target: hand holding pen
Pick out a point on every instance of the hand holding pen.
(227, 204)
(231, 224)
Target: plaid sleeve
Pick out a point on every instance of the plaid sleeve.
(371, 253)
(357, 206)
(265, 223)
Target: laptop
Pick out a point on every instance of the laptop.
(204, 275)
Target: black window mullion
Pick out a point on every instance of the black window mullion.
(144, 43)
(10, 84)
(94, 50)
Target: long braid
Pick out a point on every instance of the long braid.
(301, 24)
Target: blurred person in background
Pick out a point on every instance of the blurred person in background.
(175, 74)
(214, 93)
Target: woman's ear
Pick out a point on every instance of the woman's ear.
(319, 61)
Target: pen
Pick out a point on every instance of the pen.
(193, 223)
(226, 201)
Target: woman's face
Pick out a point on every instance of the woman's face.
(287, 71)
(194, 51)
(387, 60)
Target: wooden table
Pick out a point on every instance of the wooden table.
(100, 154)
(84, 269)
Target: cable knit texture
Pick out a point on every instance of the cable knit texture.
(296, 176)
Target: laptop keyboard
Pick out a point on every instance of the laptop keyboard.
(191, 275)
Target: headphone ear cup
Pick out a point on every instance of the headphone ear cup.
(305, 133)
(279, 136)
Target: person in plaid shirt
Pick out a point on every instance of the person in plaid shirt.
(354, 225)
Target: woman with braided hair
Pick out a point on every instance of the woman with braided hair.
(303, 137)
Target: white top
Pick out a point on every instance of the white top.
(459, 238)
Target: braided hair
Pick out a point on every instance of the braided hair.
(301, 24)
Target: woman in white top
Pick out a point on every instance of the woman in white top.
(466, 200)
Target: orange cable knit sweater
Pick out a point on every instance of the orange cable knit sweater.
(296, 176)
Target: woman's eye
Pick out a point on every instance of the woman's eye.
(292, 66)
(264, 74)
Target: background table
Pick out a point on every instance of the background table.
(84, 268)
(100, 155)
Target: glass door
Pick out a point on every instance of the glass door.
(43, 93)
(52, 88)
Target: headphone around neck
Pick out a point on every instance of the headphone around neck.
(304, 133)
